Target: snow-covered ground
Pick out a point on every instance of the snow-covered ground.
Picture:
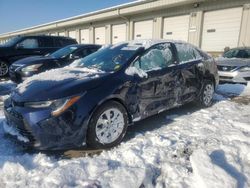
(184, 147)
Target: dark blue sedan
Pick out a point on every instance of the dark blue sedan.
(91, 102)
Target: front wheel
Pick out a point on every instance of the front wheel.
(107, 126)
(206, 95)
(4, 69)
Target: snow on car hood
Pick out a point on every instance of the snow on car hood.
(232, 61)
(58, 83)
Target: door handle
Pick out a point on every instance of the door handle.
(37, 51)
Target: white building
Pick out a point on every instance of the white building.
(209, 24)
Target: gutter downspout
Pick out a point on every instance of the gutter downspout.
(127, 21)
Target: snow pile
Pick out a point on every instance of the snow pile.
(12, 131)
(184, 147)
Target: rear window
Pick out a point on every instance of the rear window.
(47, 42)
(61, 42)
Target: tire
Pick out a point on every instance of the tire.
(206, 96)
(103, 132)
(4, 69)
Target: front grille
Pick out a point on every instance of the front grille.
(15, 114)
(13, 67)
(24, 132)
(15, 103)
(226, 68)
(16, 121)
(247, 78)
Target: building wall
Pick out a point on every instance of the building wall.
(157, 11)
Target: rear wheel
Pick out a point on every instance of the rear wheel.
(107, 126)
(206, 95)
(4, 69)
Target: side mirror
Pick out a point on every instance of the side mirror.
(137, 72)
(19, 46)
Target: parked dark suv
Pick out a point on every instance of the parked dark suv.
(92, 101)
(23, 46)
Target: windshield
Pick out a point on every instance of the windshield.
(64, 52)
(237, 53)
(11, 42)
(108, 59)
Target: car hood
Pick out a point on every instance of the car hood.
(33, 60)
(58, 83)
(232, 62)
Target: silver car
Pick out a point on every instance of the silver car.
(234, 65)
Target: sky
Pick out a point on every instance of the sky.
(20, 14)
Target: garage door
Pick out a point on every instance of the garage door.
(84, 36)
(119, 33)
(100, 35)
(143, 30)
(221, 28)
(72, 34)
(61, 34)
(176, 28)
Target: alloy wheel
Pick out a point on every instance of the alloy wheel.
(208, 94)
(109, 126)
(4, 69)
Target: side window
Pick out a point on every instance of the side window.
(47, 42)
(158, 57)
(242, 54)
(187, 53)
(58, 43)
(248, 53)
(66, 42)
(92, 50)
(81, 53)
(29, 43)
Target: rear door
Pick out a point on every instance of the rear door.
(46, 45)
(160, 90)
(189, 60)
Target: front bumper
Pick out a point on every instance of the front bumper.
(37, 128)
(19, 77)
(234, 76)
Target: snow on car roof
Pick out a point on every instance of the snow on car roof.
(147, 43)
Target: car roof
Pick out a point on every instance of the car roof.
(241, 48)
(47, 36)
(147, 43)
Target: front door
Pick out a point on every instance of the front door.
(27, 47)
(159, 90)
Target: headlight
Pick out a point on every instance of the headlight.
(57, 106)
(31, 68)
(244, 69)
